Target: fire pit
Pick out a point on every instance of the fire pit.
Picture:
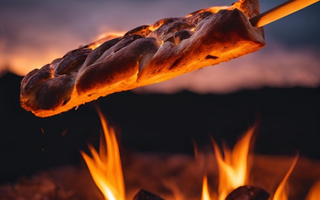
(174, 176)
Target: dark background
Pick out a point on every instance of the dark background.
(289, 121)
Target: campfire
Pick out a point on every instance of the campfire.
(211, 174)
(234, 180)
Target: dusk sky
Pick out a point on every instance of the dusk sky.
(34, 32)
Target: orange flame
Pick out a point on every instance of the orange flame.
(314, 193)
(233, 167)
(205, 190)
(105, 166)
(281, 192)
(106, 170)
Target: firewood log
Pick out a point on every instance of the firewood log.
(146, 195)
(248, 193)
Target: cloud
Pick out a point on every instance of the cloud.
(35, 33)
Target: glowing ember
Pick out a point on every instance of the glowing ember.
(105, 166)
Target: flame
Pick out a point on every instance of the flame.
(106, 170)
(281, 192)
(105, 166)
(314, 193)
(233, 167)
(205, 190)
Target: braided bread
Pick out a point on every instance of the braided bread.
(142, 56)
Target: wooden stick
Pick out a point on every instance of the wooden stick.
(280, 11)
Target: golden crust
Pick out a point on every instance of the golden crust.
(144, 55)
